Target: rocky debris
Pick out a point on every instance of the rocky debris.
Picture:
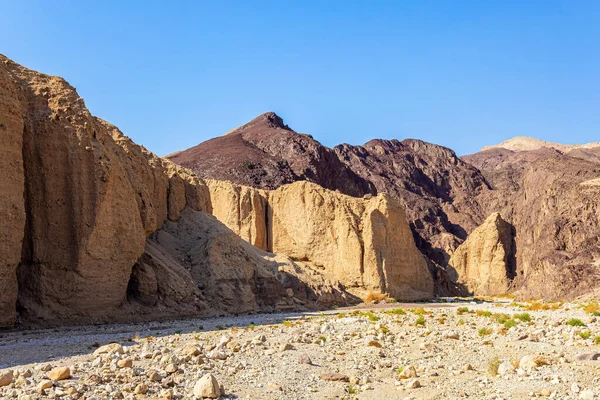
(481, 356)
(485, 262)
(366, 244)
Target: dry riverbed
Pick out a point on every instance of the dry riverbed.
(492, 349)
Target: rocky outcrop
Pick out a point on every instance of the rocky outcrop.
(365, 243)
(198, 265)
(89, 198)
(430, 182)
(434, 186)
(524, 143)
(84, 238)
(265, 153)
(485, 262)
(550, 199)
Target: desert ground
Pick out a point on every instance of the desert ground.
(482, 349)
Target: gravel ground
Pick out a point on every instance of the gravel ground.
(491, 349)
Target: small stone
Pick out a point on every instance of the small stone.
(588, 356)
(190, 350)
(286, 347)
(154, 376)
(166, 394)
(413, 384)
(59, 373)
(505, 368)
(546, 392)
(125, 363)
(334, 377)
(304, 359)
(527, 363)
(45, 384)
(109, 348)
(171, 368)
(142, 388)
(6, 378)
(575, 388)
(207, 387)
(408, 373)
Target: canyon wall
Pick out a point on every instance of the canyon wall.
(365, 243)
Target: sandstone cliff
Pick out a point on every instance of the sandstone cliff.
(83, 235)
(485, 262)
(365, 243)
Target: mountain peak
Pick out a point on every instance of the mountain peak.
(525, 143)
(268, 119)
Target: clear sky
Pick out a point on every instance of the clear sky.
(462, 74)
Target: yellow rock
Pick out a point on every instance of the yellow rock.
(59, 373)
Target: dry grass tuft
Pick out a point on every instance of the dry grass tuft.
(375, 297)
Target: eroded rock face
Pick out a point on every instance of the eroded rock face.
(365, 243)
(90, 197)
(485, 262)
(83, 237)
(554, 204)
(12, 206)
(433, 185)
(198, 264)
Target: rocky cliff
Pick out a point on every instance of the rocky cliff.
(83, 235)
(551, 199)
(548, 192)
(364, 243)
(485, 262)
(430, 182)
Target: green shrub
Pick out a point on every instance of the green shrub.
(575, 322)
(420, 321)
(485, 331)
(525, 317)
(585, 334)
(509, 323)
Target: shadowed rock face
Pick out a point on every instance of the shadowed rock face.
(485, 262)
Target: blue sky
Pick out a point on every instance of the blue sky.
(463, 74)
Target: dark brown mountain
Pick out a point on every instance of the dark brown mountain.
(547, 193)
(433, 184)
(553, 201)
(266, 154)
